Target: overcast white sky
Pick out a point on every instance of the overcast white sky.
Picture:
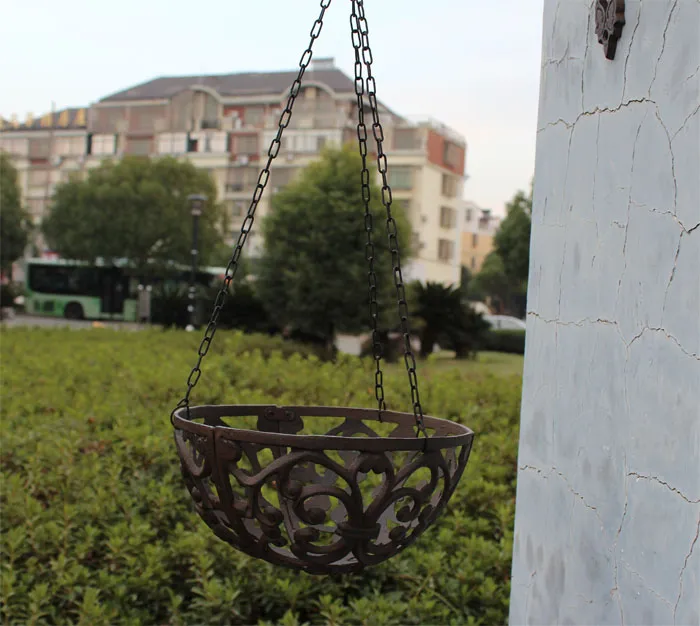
(471, 64)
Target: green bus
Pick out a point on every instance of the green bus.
(79, 290)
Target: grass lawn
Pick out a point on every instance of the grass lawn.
(496, 363)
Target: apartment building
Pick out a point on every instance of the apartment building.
(478, 227)
(225, 124)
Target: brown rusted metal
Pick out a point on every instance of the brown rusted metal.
(609, 20)
(324, 503)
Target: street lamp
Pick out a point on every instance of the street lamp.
(197, 202)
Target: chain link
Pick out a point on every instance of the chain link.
(263, 178)
(369, 246)
(360, 35)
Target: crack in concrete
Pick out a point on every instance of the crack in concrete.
(580, 323)
(596, 111)
(615, 591)
(629, 51)
(655, 479)
(554, 470)
(628, 567)
(670, 280)
(693, 75)
(529, 589)
(673, 159)
(663, 45)
(685, 121)
(629, 205)
(658, 329)
(593, 204)
(676, 219)
(685, 564)
(585, 56)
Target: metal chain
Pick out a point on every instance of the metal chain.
(232, 266)
(369, 246)
(358, 23)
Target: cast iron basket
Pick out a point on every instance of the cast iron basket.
(304, 501)
(368, 487)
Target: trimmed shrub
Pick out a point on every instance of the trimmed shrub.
(512, 341)
(97, 527)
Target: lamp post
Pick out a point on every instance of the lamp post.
(197, 202)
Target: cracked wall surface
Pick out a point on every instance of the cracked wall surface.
(608, 500)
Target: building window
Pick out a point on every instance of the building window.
(253, 116)
(446, 249)
(415, 241)
(473, 262)
(69, 146)
(237, 209)
(103, 144)
(246, 144)
(141, 146)
(447, 217)
(451, 153)
(35, 207)
(241, 179)
(475, 240)
(320, 143)
(469, 215)
(38, 177)
(405, 139)
(401, 178)
(449, 185)
(192, 144)
(39, 148)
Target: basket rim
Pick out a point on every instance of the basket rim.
(449, 434)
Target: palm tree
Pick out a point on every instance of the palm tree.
(439, 309)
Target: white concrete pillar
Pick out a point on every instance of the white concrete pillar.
(608, 501)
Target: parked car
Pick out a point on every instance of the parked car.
(504, 322)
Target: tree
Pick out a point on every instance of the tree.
(444, 317)
(313, 271)
(512, 240)
(137, 210)
(503, 276)
(493, 281)
(15, 225)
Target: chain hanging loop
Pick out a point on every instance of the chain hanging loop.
(247, 225)
(377, 348)
(360, 35)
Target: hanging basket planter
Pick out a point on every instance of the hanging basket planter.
(322, 489)
(331, 503)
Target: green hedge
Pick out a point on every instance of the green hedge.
(512, 341)
(97, 527)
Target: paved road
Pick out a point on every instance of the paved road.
(57, 322)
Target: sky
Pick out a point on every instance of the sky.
(473, 65)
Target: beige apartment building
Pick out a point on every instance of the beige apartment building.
(225, 124)
(478, 228)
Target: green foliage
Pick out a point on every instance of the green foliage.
(510, 341)
(8, 293)
(503, 276)
(135, 209)
(98, 527)
(313, 273)
(512, 240)
(444, 317)
(14, 221)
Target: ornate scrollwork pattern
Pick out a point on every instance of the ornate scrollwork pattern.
(609, 20)
(331, 503)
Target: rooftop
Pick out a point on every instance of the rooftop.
(243, 84)
(71, 118)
